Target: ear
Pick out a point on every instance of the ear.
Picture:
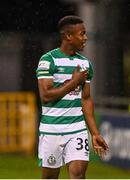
(68, 36)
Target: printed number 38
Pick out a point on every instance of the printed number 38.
(81, 144)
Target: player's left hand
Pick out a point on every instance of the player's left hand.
(99, 145)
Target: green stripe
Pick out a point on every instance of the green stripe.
(57, 84)
(62, 133)
(66, 69)
(61, 119)
(64, 104)
(39, 75)
(39, 162)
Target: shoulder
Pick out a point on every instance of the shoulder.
(49, 55)
(82, 57)
(47, 61)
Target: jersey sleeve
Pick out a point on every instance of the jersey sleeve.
(90, 73)
(45, 67)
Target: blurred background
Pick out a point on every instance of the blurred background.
(28, 29)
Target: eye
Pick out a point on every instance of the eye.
(83, 33)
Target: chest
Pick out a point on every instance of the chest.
(65, 67)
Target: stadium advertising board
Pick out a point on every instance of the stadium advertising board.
(116, 130)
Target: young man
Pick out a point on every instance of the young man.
(64, 78)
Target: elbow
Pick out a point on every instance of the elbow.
(45, 100)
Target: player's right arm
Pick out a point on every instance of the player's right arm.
(47, 91)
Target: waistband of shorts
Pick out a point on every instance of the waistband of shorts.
(62, 133)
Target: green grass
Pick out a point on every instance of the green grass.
(25, 167)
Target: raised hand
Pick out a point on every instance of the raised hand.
(79, 76)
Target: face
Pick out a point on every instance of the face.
(78, 37)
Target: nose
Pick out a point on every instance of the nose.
(85, 37)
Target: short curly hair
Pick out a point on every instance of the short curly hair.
(69, 20)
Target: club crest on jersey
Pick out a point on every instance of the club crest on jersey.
(83, 67)
(51, 160)
(44, 65)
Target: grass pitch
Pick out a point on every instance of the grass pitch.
(25, 167)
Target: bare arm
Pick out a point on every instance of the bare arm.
(48, 93)
(99, 143)
(88, 109)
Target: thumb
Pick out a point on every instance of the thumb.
(78, 68)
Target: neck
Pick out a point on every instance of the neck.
(67, 49)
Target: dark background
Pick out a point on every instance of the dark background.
(42, 16)
(37, 16)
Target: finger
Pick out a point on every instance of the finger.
(102, 153)
(105, 146)
(96, 149)
(84, 73)
(99, 151)
(78, 68)
(102, 142)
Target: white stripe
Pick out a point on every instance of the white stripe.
(68, 62)
(87, 81)
(48, 111)
(62, 127)
(62, 77)
(72, 97)
(45, 77)
(58, 76)
(43, 72)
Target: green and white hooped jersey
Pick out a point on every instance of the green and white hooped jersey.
(62, 116)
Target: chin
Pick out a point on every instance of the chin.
(80, 49)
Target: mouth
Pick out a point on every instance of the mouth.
(83, 44)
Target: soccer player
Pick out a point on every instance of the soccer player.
(64, 77)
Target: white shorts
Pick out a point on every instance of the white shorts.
(56, 150)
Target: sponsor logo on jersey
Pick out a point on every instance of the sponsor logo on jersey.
(75, 92)
(60, 69)
(51, 160)
(44, 65)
